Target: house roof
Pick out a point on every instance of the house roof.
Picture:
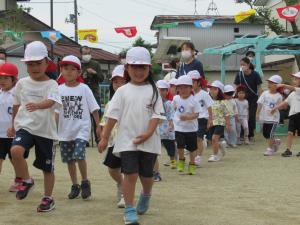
(260, 2)
(159, 19)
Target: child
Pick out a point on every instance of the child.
(74, 124)
(172, 90)
(8, 79)
(138, 108)
(112, 161)
(186, 123)
(266, 102)
(293, 100)
(231, 135)
(243, 114)
(205, 115)
(220, 119)
(35, 100)
(166, 128)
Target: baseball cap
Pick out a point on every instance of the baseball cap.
(173, 81)
(9, 69)
(35, 51)
(217, 84)
(194, 74)
(118, 71)
(71, 60)
(296, 75)
(184, 80)
(229, 88)
(138, 56)
(162, 84)
(275, 79)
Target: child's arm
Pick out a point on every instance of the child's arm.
(209, 122)
(153, 123)
(281, 105)
(189, 116)
(259, 107)
(227, 121)
(46, 104)
(289, 87)
(97, 122)
(11, 132)
(106, 134)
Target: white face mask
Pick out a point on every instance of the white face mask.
(86, 58)
(185, 55)
(123, 61)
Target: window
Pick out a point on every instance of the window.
(236, 30)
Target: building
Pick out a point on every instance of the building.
(223, 31)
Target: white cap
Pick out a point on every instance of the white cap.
(138, 56)
(194, 74)
(118, 71)
(217, 84)
(275, 79)
(173, 81)
(296, 75)
(71, 60)
(35, 51)
(162, 84)
(184, 80)
(229, 88)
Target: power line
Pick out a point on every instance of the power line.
(60, 2)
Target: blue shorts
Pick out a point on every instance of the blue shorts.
(72, 150)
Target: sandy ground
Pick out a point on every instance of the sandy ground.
(245, 188)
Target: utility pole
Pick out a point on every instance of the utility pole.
(51, 23)
(76, 20)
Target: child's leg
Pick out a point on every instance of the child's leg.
(82, 168)
(49, 180)
(245, 127)
(215, 143)
(170, 147)
(19, 162)
(147, 183)
(116, 175)
(233, 134)
(180, 153)
(73, 171)
(129, 183)
(192, 157)
(200, 146)
(1, 160)
(290, 138)
(156, 166)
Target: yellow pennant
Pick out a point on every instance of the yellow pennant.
(88, 35)
(244, 15)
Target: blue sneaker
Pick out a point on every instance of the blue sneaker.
(143, 204)
(130, 216)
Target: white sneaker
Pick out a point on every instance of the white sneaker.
(121, 203)
(214, 158)
(198, 160)
(247, 142)
(276, 144)
(269, 152)
(223, 145)
(186, 152)
(204, 142)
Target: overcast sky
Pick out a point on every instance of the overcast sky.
(105, 15)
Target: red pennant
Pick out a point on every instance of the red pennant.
(127, 31)
(289, 12)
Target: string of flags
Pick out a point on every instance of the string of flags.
(127, 31)
(244, 15)
(289, 12)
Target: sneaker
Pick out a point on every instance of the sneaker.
(198, 160)
(214, 158)
(269, 152)
(186, 152)
(85, 189)
(143, 204)
(180, 165)
(75, 191)
(16, 185)
(119, 192)
(121, 203)
(130, 216)
(167, 164)
(287, 153)
(47, 204)
(239, 141)
(298, 154)
(251, 140)
(173, 164)
(157, 177)
(276, 144)
(247, 142)
(192, 169)
(24, 189)
(234, 146)
(223, 145)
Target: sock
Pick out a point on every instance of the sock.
(28, 181)
(50, 197)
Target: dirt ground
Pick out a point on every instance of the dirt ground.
(245, 188)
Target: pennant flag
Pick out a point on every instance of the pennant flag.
(244, 15)
(14, 36)
(204, 23)
(166, 25)
(53, 36)
(289, 12)
(88, 35)
(127, 31)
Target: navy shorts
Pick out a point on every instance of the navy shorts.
(5, 146)
(44, 149)
(186, 140)
(215, 130)
(202, 127)
(170, 146)
(72, 150)
(294, 124)
(269, 130)
(111, 160)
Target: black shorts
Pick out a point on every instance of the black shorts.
(138, 162)
(170, 146)
(202, 127)
(5, 146)
(269, 130)
(44, 149)
(215, 130)
(111, 160)
(186, 140)
(294, 124)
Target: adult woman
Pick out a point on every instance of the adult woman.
(249, 78)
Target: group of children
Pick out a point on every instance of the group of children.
(141, 115)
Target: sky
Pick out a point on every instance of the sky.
(105, 15)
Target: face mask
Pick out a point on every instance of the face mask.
(123, 61)
(2, 61)
(86, 58)
(250, 58)
(185, 55)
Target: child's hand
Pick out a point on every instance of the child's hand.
(228, 127)
(31, 107)
(11, 132)
(209, 123)
(98, 132)
(102, 145)
(184, 117)
(280, 85)
(141, 138)
(171, 126)
(273, 111)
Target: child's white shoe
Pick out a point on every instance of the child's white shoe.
(269, 152)
(214, 158)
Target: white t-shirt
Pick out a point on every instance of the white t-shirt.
(74, 116)
(205, 101)
(6, 103)
(185, 106)
(268, 102)
(132, 107)
(294, 102)
(42, 121)
(242, 108)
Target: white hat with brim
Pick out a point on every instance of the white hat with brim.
(184, 80)
(297, 75)
(35, 51)
(138, 56)
(194, 74)
(275, 79)
(217, 84)
(229, 88)
(71, 60)
(162, 84)
(118, 72)
(173, 81)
